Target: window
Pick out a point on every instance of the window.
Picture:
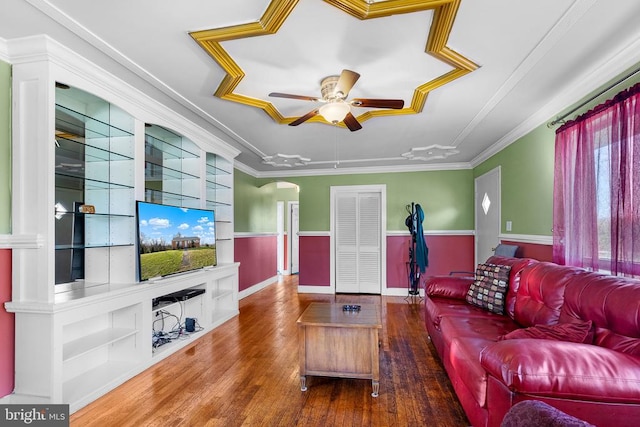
(597, 188)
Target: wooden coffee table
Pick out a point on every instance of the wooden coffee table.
(338, 343)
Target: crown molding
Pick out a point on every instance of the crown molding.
(587, 82)
(4, 51)
(244, 168)
(352, 171)
(566, 22)
(104, 84)
(63, 19)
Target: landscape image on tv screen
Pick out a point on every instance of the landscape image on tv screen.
(174, 240)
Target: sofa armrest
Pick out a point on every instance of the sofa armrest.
(563, 370)
(448, 286)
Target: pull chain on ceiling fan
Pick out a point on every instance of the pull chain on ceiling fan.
(336, 108)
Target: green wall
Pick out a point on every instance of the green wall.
(527, 168)
(255, 203)
(445, 196)
(527, 182)
(246, 200)
(5, 148)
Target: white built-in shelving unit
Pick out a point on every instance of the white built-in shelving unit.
(83, 321)
(172, 168)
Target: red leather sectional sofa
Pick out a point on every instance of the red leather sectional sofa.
(595, 377)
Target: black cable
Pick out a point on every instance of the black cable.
(178, 331)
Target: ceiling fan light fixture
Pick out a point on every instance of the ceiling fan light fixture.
(334, 112)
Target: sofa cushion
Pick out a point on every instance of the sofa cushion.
(563, 370)
(579, 331)
(488, 327)
(464, 357)
(437, 308)
(490, 287)
(541, 293)
(612, 304)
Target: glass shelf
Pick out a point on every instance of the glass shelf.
(72, 150)
(216, 170)
(216, 185)
(73, 180)
(167, 150)
(165, 197)
(158, 172)
(217, 203)
(97, 214)
(91, 246)
(91, 127)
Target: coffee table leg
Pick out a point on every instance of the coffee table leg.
(303, 383)
(376, 388)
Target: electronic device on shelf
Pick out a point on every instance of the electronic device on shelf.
(351, 308)
(173, 239)
(182, 295)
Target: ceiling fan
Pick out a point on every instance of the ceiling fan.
(336, 108)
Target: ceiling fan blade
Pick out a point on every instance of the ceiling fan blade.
(351, 122)
(287, 95)
(378, 103)
(346, 81)
(304, 118)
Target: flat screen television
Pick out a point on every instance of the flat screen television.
(174, 240)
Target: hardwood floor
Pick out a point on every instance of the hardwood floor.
(245, 373)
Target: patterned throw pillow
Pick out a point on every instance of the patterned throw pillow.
(490, 287)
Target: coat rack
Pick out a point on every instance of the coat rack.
(418, 251)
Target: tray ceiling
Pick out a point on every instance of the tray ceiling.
(473, 75)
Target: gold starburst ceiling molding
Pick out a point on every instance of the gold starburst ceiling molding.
(444, 13)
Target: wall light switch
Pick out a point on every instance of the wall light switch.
(509, 225)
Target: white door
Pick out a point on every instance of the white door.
(358, 241)
(294, 228)
(487, 213)
(280, 236)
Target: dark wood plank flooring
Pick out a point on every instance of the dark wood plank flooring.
(245, 373)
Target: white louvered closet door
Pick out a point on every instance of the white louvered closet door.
(358, 243)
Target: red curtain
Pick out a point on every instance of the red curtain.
(596, 213)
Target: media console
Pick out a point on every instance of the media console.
(100, 337)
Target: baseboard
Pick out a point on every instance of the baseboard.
(400, 292)
(257, 287)
(397, 292)
(305, 289)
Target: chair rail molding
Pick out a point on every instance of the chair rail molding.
(433, 233)
(527, 238)
(245, 234)
(21, 241)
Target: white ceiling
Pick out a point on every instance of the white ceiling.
(535, 58)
